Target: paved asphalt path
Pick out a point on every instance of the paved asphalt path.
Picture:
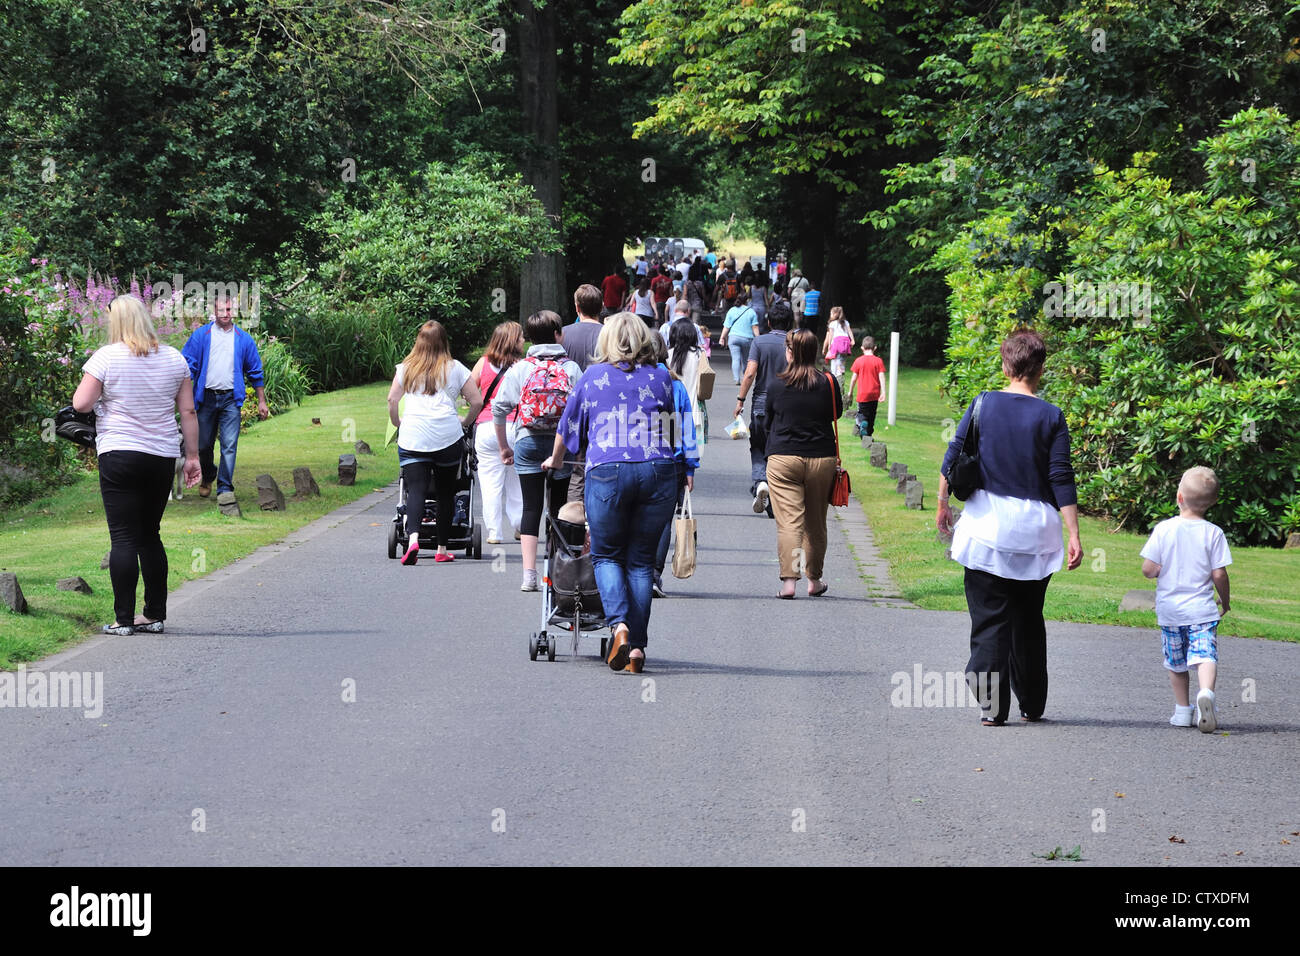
(765, 715)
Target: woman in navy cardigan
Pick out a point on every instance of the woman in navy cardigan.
(1009, 535)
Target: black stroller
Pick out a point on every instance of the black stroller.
(570, 598)
(465, 531)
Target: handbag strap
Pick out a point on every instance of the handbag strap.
(974, 425)
(685, 510)
(492, 387)
(835, 421)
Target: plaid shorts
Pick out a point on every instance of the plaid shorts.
(1189, 645)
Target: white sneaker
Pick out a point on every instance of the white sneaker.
(530, 581)
(1182, 716)
(1206, 718)
(760, 498)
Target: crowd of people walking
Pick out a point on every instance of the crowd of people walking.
(607, 415)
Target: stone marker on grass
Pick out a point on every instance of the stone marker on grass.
(11, 593)
(879, 454)
(73, 584)
(269, 495)
(915, 494)
(902, 482)
(304, 483)
(362, 448)
(228, 505)
(897, 470)
(103, 565)
(347, 469)
(1292, 540)
(1138, 600)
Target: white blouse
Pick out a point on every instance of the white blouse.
(1012, 538)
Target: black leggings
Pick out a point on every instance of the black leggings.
(444, 466)
(134, 486)
(533, 488)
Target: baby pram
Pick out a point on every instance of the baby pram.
(570, 598)
(465, 532)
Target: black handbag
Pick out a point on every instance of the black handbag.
(75, 426)
(964, 473)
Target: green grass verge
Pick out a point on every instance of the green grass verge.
(66, 534)
(1265, 581)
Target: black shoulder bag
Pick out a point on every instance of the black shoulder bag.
(75, 426)
(964, 473)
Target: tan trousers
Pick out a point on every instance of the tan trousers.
(800, 489)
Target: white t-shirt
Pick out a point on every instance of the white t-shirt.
(220, 372)
(1187, 550)
(137, 411)
(430, 422)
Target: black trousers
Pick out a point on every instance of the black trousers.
(533, 489)
(135, 486)
(757, 450)
(444, 468)
(867, 415)
(1008, 643)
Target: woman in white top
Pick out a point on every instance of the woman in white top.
(641, 301)
(135, 387)
(1009, 535)
(430, 433)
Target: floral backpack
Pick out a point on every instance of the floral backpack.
(544, 395)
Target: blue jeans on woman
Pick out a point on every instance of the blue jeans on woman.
(628, 504)
(739, 356)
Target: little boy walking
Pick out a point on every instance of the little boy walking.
(1188, 556)
(869, 374)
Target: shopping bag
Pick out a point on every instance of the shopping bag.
(704, 390)
(738, 429)
(684, 531)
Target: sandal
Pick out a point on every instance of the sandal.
(991, 722)
(820, 591)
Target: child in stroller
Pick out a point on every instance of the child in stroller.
(570, 598)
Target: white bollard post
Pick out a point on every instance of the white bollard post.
(893, 376)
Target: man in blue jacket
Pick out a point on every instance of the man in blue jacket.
(220, 355)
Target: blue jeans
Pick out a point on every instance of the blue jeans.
(218, 421)
(628, 504)
(739, 356)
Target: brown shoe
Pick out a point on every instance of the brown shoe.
(205, 490)
(635, 664)
(618, 649)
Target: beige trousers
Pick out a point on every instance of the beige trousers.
(800, 489)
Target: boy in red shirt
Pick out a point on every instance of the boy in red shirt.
(662, 287)
(615, 289)
(869, 373)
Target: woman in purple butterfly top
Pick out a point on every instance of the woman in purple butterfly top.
(624, 415)
(536, 389)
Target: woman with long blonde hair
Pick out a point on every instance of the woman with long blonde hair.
(135, 387)
(503, 502)
(431, 433)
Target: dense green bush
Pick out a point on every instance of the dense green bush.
(286, 382)
(1211, 376)
(41, 352)
(444, 245)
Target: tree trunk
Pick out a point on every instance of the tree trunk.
(541, 280)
